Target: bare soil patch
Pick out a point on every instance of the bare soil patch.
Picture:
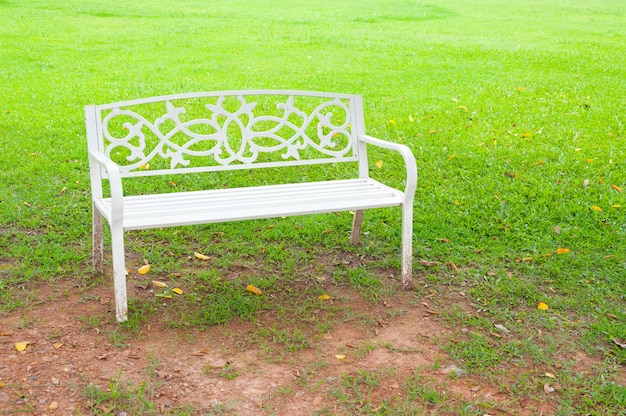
(222, 369)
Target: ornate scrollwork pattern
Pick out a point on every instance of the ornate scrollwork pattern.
(230, 130)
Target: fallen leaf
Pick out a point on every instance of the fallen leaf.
(502, 328)
(452, 156)
(145, 166)
(620, 343)
(177, 290)
(616, 206)
(586, 183)
(392, 122)
(57, 345)
(340, 357)
(547, 388)
(411, 119)
(200, 256)
(550, 375)
(5, 334)
(379, 163)
(589, 160)
(323, 297)
(562, 250)
(542, 306)
(144, 269)
(596, 208)
(317, 401)
(21, 346)
(617, 188)
(159, 284)
(254, 289)
(427, 263)
(557, 229)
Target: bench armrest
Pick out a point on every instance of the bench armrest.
(409, 161)
(115, 179)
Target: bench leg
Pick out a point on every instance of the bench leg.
(97, 254)
(357, 223)
(119, 273)
(407, 246)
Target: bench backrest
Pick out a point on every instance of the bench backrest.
(226, 130)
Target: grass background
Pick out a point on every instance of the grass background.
(514, 110)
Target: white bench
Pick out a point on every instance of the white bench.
(198, 133)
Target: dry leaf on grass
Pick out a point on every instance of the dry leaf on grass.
(254, 289)
(144, 269)
(620, 343)
(200, 256)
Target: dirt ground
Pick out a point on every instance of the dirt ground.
(216, 369)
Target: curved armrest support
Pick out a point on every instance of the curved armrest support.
(115, 181)
(409, 161)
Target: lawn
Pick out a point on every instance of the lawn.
(515, 112)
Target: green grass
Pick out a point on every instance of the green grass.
(514, 110)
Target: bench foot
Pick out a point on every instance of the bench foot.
(97, 253)
(119, 275)
(357, 223)
(407, 246)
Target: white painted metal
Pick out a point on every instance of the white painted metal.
(299, 135)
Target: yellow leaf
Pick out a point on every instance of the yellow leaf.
(143, 269)
(177, 290)
(21, 346)
(540, 162)
(527, 134)
(340, 357)
(379, 164)
(411, 119)
(57, 345)
(323, 297)
(145, 166)
(596, 208)
(616, 206)
(562, 250)
(200, 256)
(1, 384)
(254, 289)
(542, 306)
(452, 156)
(392, 122)
(527, 258)
(589, 160)
(617, 188)
(550, 375)
(158, 284)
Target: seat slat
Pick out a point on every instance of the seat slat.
(259, 202)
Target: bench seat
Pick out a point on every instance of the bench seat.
(221, 205)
